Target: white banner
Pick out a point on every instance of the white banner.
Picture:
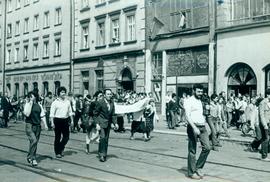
(137, 106)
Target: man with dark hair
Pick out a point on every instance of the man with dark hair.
(47, 106)
(6, 107)
(196, 129)
(264, 122)
(172, 109)
(104, 117)
(61, 114)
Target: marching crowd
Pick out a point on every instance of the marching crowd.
(96, 115)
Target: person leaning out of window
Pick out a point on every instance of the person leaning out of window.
(34, 114)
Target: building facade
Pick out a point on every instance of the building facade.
(243, 42)
(2, 20)
(38, 46)
(179, 48)
(109, 46)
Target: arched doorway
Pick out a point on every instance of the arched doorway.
(127, 82)
(242, 80)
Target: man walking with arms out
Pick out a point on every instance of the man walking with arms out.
(104, 117)
(196, 129)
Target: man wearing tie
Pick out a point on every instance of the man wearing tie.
(104, 118)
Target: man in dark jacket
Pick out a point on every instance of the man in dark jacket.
(6, 107)
(105, 116)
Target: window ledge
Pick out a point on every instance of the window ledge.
(86, 8)
(35, 30)
(18, 8)
(25, 60)
(26, 33)
(47, 57)
(9, 11)
(115, 44)
(130, 42)
(100, 47)
(17, 35)
(46, 27)
(84, 49)
(55, 56)
(112, 1)
(26, 5)
(100, 5)
(35, 59)
(58, 24)
(8, 63)
(17, 62)
(9, 37)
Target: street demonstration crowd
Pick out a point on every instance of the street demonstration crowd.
(96, 115)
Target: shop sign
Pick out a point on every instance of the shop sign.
(37, 77)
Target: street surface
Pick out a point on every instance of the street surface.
(163, 159)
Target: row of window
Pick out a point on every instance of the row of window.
(115, 22)
(85, 3)
(45, 88)
(25, 53)
(36, 23)
(16, 4)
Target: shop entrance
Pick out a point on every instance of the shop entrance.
(127, 82)
(242, 80)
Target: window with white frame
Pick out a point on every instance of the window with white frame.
(115, 30)
(9, 5)
(57, 51)
(36, 22)
(85, 36)
(26, 25)
(18, 4)
(85, 3)
(131, 27)
(17, 28)
(16, 55)
(100, 1)
(9, 30)
(8, 58)
(35, 50)
(46, 48)
(101, 33)
(46, 19)
(58, 16)
(25, 52)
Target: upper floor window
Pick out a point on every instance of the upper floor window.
(36, 22)
(115, 30)
(101, 33)
(17, 28)
(85, 36)
(26, 2)
(85, 3)
(46, 19)
(57, 51)
(8, 58)
(16, 55)
(26, 25)
(58, 16)
(131, 28)
(35, 50)
(46, 49)
(9, 30)
(9, 5)
(18, 4)
(25, 52)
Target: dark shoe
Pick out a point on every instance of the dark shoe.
(29, 160)
(194, 176)
(102, 159)
(266, 159)
(58, 156)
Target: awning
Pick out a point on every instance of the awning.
(179, 42)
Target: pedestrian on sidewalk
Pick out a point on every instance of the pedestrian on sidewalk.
(264, 119)
(105, 117)
(173, 109)
(34, 113)
(196, 129)
(6, 107)
(61, 116)
(47, 106)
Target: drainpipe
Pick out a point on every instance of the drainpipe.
(71, 54)
(4, 48)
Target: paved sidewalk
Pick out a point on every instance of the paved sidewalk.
(161, 127)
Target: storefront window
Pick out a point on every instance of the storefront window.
(45, 88)
(35, 86)
(17, 90)
(57, 84)
(25, 88)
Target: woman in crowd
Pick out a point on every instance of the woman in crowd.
(34, 113)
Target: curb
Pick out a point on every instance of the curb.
(236, 140)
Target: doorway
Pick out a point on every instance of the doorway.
(127, 83)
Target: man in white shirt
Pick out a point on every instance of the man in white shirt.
(196, 129)
(60, 114)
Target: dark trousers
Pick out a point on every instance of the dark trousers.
(214, 135)
(78, 115)
(33, 134)
(263, 141)
(48, 118)
(192, 146)
(103, 141)
(61, 130)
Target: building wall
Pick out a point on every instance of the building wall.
(250, 46)
(114, 56)
(50, 64)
